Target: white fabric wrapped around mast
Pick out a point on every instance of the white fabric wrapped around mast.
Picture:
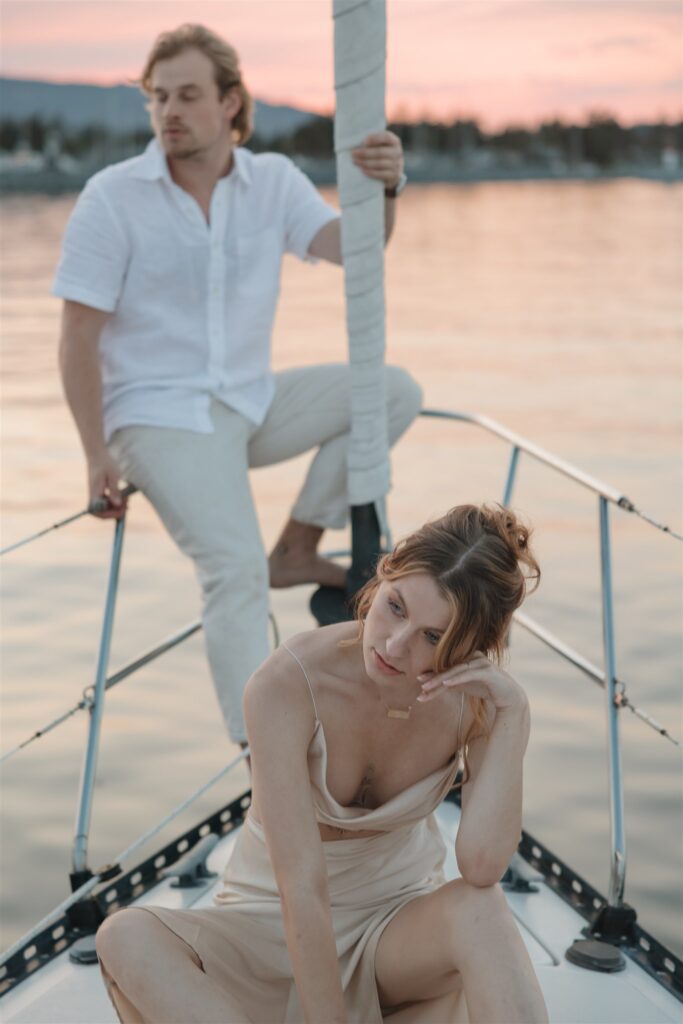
(359, 65)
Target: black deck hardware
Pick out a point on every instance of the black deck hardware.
(613, 924)
(191, 870)
(595, 956)
(86, 915)
(519, 877)
(599, 951)
(63, 932)
(654, 958)
(79, 878)
(332, 604)
(659, 962)
(83, 952)
(366, 545)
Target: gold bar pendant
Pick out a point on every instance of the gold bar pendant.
(397, 713)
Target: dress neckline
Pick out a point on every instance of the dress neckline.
(319, 730)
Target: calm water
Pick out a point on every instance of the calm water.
(553, 308)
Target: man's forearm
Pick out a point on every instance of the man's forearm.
(81, 375)
(83, 389)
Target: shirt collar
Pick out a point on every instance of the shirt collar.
(153, 166)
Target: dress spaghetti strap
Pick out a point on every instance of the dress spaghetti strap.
(462, 708)
(310, 688)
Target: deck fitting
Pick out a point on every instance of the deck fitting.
(83, 951)
(614, 924)
(594, 955)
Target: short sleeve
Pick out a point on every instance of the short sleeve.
(95, 253)
(306, 213)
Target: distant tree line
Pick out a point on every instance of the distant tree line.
(34, 132)
(602, 140)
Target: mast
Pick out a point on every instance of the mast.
(360, 85)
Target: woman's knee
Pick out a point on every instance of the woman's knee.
(122, 938)
(471, 919)
(473, 903)
(404, 396)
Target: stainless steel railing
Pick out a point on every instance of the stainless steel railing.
(615, 696)
(606, 495)
(79, 857)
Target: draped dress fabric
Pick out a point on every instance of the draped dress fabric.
(241, 940)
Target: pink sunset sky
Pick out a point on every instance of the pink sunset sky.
(502, 61)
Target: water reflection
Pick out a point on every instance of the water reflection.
(551, 307)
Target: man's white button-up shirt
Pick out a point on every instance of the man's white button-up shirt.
(192, 303)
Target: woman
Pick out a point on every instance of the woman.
(335, 908)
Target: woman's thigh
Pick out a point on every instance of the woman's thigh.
(135, 942)
(420, 952)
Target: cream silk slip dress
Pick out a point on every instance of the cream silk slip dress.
(241, 941)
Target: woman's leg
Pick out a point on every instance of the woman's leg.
(152, 976)
(460, 934)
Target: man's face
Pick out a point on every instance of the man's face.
(188, 116)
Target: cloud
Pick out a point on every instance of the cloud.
(622, 43)
(487, 55)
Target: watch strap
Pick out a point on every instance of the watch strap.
(392, 193)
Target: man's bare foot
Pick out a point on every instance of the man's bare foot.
(294, 559)
(288, 570)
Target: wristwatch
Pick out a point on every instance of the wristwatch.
(392, 193)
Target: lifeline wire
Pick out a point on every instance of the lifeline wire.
(119, 676)
(654, 522)
(88, 886)
(99, 505)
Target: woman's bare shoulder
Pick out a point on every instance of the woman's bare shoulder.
(280, 677)
(319, 649)
(277, 679)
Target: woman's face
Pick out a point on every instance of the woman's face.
(402, 630)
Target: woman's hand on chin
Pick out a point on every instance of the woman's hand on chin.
(477, 677)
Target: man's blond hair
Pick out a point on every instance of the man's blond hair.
(225, 62)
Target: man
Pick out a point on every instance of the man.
(170, 276)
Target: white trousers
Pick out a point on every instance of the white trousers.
(199, 486)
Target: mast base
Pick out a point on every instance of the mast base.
(332, 604)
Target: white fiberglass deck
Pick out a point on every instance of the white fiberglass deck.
(66, 993)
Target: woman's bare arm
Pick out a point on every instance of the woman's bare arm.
(280, 720)
(491, 820)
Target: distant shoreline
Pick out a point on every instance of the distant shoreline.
(322, 173)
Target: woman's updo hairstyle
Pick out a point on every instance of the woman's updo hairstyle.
(479, 558)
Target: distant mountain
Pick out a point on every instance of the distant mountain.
(119, 108)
